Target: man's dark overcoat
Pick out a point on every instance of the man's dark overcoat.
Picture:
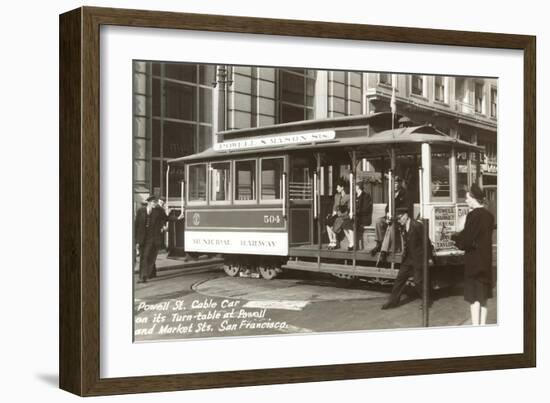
(147, 230)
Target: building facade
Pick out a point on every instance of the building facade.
(179, 108)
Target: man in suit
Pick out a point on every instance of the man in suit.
(163, 209)
(148, 226)
(412, 257)
(384, 233)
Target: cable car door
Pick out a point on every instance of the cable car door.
(300, 199)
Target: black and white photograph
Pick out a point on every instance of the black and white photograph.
(273, 200)
(266, 202)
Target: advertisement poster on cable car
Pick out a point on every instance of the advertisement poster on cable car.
(270, 201)
(447, 220)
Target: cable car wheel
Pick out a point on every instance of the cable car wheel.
(231, 269)
(268, 272)
(343, 276)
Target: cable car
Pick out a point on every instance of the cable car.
(260, 196)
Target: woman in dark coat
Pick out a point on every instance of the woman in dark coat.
(342, 222)
(335, 220)
(476, 239)
(363, 206)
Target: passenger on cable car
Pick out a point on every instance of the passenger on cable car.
(339, 219)
(363, 205)
(169, 217)
(384, 234)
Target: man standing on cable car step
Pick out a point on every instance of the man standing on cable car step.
(412, 257)
(148, 225)
(384, 234)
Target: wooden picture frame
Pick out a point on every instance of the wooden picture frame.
(80, 193)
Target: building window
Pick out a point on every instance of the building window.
(461, 90)
(417, 85)
(494, 101)
(385, 78)
(181, 106)
(464, 95)
(490, 157)
(479, 98)
(272, 171)
(245, 180)
(440, 89)
(296, 94)
(345, 90)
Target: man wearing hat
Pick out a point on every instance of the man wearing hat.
(147, 229)
(412, 257)
(163, 209)
(384, 233)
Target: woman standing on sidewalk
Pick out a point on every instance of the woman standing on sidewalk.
(476, 239)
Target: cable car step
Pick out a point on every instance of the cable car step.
(361, 271)
(361, 255)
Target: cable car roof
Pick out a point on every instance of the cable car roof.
(353, 135)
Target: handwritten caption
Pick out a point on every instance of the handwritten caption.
(201, 316)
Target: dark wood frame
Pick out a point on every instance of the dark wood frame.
(79, 200)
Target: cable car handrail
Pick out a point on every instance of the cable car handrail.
(284, 194)
(315, 191)
(182, 198)
(351, 195)
(421, 191)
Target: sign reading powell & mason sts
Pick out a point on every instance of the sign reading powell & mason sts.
(274, 141)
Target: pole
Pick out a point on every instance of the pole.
(353, 212)
(284, 195)
(167, 181)
(167, 232)
(182, 196)
(317, 203)
(425, 275)
(392, 205)
(421, 191)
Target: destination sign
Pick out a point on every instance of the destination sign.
(275, 141)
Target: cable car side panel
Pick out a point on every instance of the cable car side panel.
(252, 231)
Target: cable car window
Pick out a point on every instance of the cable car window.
(197, 183)
(220, 181)
(300, 180)
(271, 173)
(461, 175)
(175, 178)
(440, 184)
(245, 180)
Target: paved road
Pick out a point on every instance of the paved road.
(181, 304)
